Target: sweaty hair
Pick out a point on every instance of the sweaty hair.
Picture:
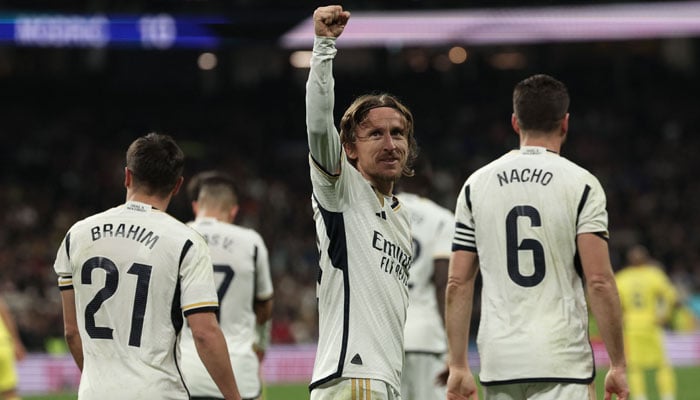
(156, 163)
(540, 102)
(357, 113)
(213, 188)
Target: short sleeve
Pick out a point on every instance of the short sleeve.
(464, 234)
(62, 265)
(263, 283)
(444, 235)
(592, 212)
(198, 291)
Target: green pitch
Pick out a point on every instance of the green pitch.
(687, 377)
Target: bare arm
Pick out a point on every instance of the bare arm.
(324, 144)
(458, 310)
(211, 347)
(605, 306)
(440, 271)
(70, 327)
(263, 326)
(263, 310)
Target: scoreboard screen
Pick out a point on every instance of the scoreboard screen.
(157, 31)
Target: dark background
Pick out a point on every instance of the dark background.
(68, 114)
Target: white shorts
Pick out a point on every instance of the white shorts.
(541, 391)
(355, 389)
(418, 377)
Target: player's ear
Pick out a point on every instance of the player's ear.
(350, 150)
(178, 184)
(232, 213)
(195, 207)
(514, 123)
(127, 177)
(565, 125)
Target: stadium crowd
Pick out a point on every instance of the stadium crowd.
(633, 123)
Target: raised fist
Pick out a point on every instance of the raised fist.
(330, 21)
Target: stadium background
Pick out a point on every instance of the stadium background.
(69, 109)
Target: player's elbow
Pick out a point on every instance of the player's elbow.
(263, 310)
(600, 283)
(205, 328)
(71, 333)
(454, 287)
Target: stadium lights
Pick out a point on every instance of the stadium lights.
(207, 61)
(394, 29)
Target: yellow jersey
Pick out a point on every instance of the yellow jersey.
(647, 296)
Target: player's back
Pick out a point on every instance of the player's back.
(646, 295)
(432, 228)
(126, 266)
(241, 273)
(527, 208)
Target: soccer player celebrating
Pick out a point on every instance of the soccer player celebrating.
(244, 286)
(362, 231)
(648, 299)
(535, 225)
(127, 276)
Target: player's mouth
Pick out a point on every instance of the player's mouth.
(390, 160)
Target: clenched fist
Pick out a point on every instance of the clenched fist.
(330, 21)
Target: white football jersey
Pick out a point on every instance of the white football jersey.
(432, 228)
(365, 254)
(521, 213)
(135, 271)
(364, 241)
(242, 275)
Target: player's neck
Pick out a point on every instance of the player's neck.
(156, 202)
(550, 144)
(218, 215)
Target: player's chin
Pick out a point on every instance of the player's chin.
(392, 175)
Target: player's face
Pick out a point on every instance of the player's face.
(381, 147)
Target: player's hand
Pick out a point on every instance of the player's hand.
(441, 378)
(461, 385)
(330, 21)
(616, 383)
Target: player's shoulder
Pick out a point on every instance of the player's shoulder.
(211, 225)
(246, 232)
(423, 205)
(488, 169)
(656, 271)
(575, 168)
(641, 272)
(94, 219)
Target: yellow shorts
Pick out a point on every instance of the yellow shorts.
(645, 349)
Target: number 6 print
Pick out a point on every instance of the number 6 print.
(513, 247)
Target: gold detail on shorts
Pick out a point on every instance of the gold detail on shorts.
(360, 389)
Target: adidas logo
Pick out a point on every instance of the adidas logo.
(381, 214)
(357, 360)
